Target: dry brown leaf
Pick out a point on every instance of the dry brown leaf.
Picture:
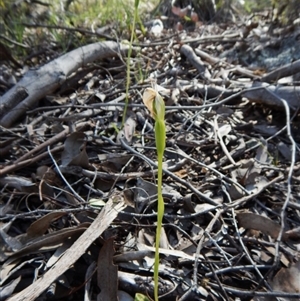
(143, 190)
(74, 152)
(40, 226)
(254, 221)
(113, 162)
(288, 279)
(262, 154)
(47, 242)
(8, 289)
(182, 173)
(284, 150)
(7, 242)
(20, 183)
(47, 174)
(127, 131)
(167, 252)
(283, 259)
(131, 256)
(188, 202)
(294, 234)
(107, 273)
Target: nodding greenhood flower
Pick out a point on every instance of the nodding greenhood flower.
(159, 107)
(156, 105)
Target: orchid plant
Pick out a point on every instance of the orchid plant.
(155, 104)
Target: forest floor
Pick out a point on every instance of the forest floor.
(231, 228)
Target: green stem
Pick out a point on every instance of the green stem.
(135, 16)
(160, 214)
(160, 141)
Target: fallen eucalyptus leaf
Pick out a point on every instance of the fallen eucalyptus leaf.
(40, 226)
(254, 221)
(74, 152)
(8, 289)
(107, 273)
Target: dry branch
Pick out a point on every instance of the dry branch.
(51, 76)
(286, 70)
(270, 95)
(195, 61)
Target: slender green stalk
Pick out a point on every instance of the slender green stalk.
(135, 18)
(156, 106)
(159, 128)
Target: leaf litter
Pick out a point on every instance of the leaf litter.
(231, 180)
